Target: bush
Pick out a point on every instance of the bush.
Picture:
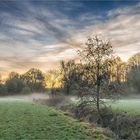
(125, 126)
(26, 90)
(57, 100)
(3, 89)
(133, 78)
(14, 85)
(122, 124)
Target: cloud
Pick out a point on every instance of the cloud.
(40, 34)
(129, 10)
(122, 30)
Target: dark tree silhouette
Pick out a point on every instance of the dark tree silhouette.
(34, 78)
(68, 74)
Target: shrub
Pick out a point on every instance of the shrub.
(125, 126)
(3, 89)
(57, 100)
(14, 85)
(26, 90)
(122, 124)
(133, 78)
(68, 114)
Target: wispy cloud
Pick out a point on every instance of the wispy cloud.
(40, 34)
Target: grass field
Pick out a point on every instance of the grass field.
(28, 121)
(131, 106)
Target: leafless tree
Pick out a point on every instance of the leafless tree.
(94, 57)
(52, 81)
(68, 70)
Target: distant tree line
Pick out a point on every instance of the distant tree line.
(31, 81)
(116, 72)
(97, 65)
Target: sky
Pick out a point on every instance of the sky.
(41, 33)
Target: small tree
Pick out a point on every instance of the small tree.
(133, 74)
(13, 75)
(134, 61)
(53, 80)
(68, 74)
(133, 79)
(95, 56)
(3, 88)
(117, 70)
(34, 79)
(14, 85)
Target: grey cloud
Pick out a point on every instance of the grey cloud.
(125, 11)
(39, 35)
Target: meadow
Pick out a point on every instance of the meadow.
(29, 121)
(130, 106)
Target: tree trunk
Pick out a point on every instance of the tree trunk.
(98, 93)
(98, 89)
(98, 103)
(68, 89)
(98, 96)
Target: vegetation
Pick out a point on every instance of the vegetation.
(120, 77)
(3, 89)
(134, 61)
(129, 106)
(68, 70)
(133, 79)
(31, 121)
(95, 55)
(14, 85)
(122, 118)
(34, 78)
(53, 81)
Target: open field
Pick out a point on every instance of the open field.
(26, 98)
(131, 106)
(29, 121)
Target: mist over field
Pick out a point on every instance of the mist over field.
(25, 98)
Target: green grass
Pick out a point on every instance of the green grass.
(131, 106)
(28, 121)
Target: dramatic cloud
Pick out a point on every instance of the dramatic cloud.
(40, 34)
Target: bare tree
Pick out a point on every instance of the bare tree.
(34, 78)
(94, 57)
(134, 61)
(53, 81)
(13, 75)
(117, 69)
(68, 72)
